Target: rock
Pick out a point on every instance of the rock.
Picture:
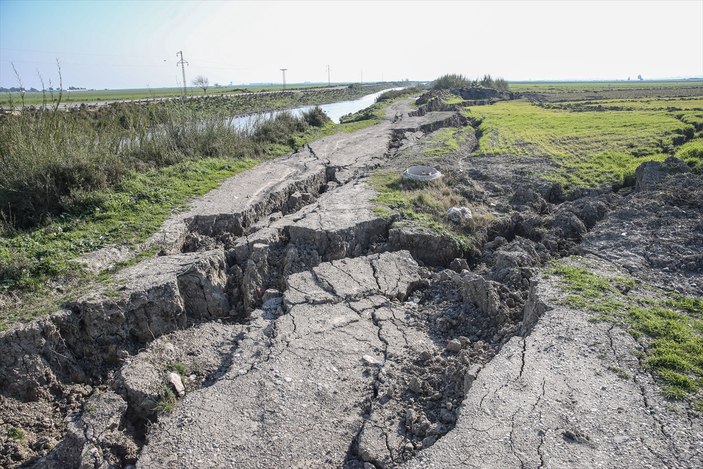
(295, 201)
(590, 210)
(139, 381)
(420, 426)
(568, 225)
(429, 441)
(459, 215)
(272, 300)
(175, 381)
(372, 445)
(425, 245)
(524, 196)
(271, 293)
(196, 242)
(415, 385)
(93, 437)
(454, 345)
(650, 174)
(201, 348)
(484, 294)
(459, 264)
(369, 360)
(470, 377)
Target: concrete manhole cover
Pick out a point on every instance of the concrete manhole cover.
(422, 173)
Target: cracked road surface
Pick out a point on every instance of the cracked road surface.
(298, 389)
(304, 332)
(561, 397)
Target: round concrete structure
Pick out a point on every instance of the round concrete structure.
(422, 173)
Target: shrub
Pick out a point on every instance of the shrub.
(316, 117)
(447, 82)
(450, 81)
(393, 94)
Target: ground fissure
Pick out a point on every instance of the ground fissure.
(318, 326)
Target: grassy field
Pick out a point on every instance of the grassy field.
(579, 91)
(590, 146)
(594, 86)
(95, 96)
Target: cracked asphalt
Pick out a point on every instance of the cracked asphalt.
(296, 393)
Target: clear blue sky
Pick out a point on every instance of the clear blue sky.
(133, 44)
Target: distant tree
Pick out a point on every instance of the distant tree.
(202, 82)
(639, 77)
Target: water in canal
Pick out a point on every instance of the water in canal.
(333, 110)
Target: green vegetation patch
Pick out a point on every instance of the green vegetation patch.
(372, 113)
(590, 148)
(127, 214)
(423, 203)
(297, 93)
(692, 154)
(167, 401)
(16, 433)
(670, 327)
(447, 141)
(450, 81)
(179, 368)
(613, 89)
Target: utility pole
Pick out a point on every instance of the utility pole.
(183, 64)
(284, 77)
(329, 82)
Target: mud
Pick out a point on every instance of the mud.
(286, 324)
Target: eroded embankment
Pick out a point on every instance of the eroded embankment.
(231, 255)
(288, 324)
(51, 365)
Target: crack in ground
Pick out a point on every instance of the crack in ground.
(522, 357)
(512, 442)
(542, 434)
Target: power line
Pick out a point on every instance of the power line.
(182, 63)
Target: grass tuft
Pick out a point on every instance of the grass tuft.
(167, 401)
(670, 328)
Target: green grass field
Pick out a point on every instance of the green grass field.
(568, 87)
(591, 147)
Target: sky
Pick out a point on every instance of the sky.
(133, 44)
